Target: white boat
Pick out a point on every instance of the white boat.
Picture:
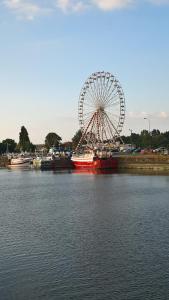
(20, 162)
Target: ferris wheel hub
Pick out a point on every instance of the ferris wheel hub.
(100, 108)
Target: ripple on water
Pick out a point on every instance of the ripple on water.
(83, 236)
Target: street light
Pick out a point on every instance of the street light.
(149, 130)
(148, 124)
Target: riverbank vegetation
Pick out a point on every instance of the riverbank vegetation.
(145, 139)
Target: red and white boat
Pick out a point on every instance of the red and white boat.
(94, 160)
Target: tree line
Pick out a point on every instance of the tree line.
(25, 145)
(145, 139)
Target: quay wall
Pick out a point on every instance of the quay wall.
(135, 162)
(3, 161)
(144, 162)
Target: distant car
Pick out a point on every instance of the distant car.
(162, 150)
(145, 151)
(137, 150)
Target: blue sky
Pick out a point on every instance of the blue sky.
(49, 47)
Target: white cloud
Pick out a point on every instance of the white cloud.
(71, 5)
(143, 114)
(112, 4)
(138, 115)
(163, 115)
(30, 9)
(25, 8)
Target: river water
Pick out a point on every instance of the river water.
(83, 236)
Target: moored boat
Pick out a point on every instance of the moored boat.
(94, 160)
(20, 162)
(52, 163)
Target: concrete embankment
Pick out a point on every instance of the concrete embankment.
(3, 161)
(144, 162)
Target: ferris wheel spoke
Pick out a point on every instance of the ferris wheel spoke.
(107, 90)
(93, 88)
(95, 97)
(102, 86)
(90, 97)
(110, 129)
(115, 87)
(113, 106)
(87, 115)
(112, 115)
(111, 98)
(94, 94)
(98, 92)
(91, 80)
(104, 129)
(112, 93)
(105, 87)
(90, 94)
(112, 124)
(101, 109)
(89, 105)
(86, 121)
(114, 102)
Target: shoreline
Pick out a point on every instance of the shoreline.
(147, 162)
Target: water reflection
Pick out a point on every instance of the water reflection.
(83, 237)
(144, 172)
(93, 171)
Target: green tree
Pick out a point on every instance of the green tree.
(52, 140)
(2, 148)
(24, 141)
(155, 132)
(10, 145)
(145, 139)
(76, 138)
(135, 137)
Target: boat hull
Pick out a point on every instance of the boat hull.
(109, 163)
(20, 162)
(20, 165)
(55, 164)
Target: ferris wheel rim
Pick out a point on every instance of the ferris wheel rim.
(94, 101)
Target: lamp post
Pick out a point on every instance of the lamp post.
(148, 124)
(149, 129)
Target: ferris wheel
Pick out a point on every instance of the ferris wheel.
(101, 110)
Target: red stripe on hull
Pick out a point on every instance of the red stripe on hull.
(97, 164)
